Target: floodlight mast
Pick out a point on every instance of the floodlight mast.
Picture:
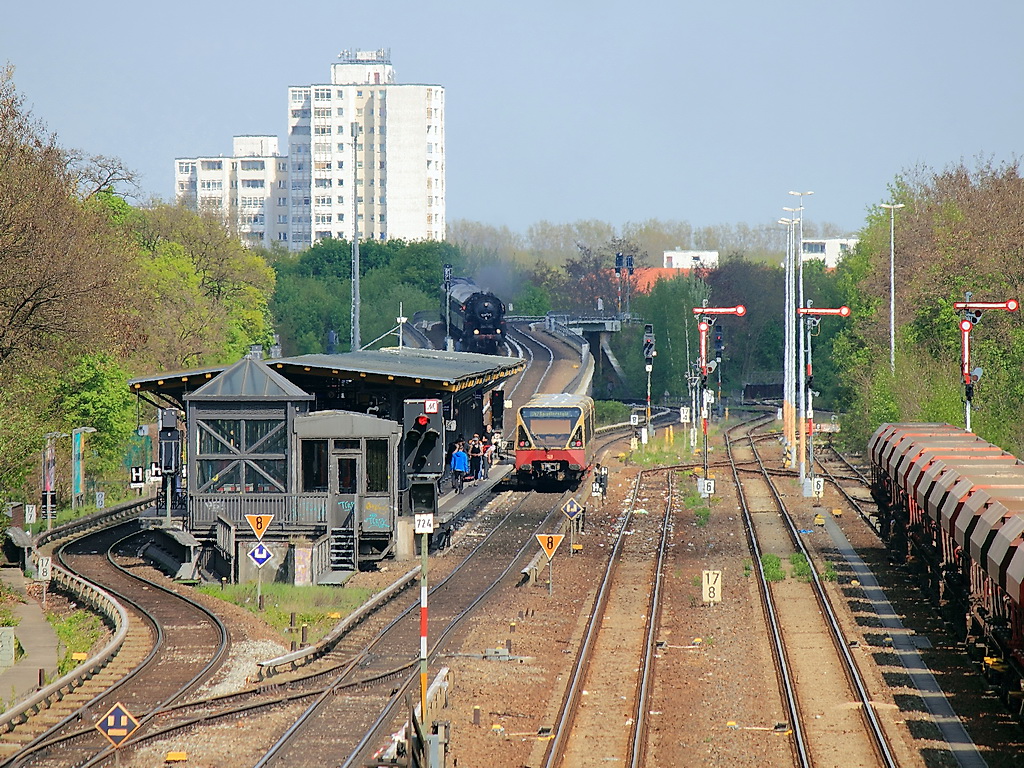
(971, 311)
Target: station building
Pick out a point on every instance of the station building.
(314, 441)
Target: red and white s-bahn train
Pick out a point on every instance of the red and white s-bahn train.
(554, 439)
(952, 505)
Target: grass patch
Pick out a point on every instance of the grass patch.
(829, 572)
(669, 446)
(76, 633)
(748, 568)
(8, 597)
(771, 566)
(800, 567)
(318, 607)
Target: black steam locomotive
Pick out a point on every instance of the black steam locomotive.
(477, 317)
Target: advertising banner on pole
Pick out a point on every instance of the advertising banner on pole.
(77, 481)
(49, 468)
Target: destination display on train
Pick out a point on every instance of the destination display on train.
(551, 413)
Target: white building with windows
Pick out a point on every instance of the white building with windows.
(831, 250)
(680, 259)
(249, 188)
(366, 155)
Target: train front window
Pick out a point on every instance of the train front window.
(550, 426)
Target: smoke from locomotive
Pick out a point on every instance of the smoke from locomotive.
(477, 317)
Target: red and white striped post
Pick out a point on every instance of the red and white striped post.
(424, 547)
(705, 317)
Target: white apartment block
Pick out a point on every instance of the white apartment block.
(249, 188)
(831, 250)
(679, 259)
(366, 155)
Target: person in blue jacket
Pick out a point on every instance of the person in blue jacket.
(460, 466)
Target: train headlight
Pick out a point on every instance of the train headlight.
(476, 331)
(524, 468)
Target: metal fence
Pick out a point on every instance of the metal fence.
(203, 510)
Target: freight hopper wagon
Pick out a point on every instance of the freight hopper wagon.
(952, 505)
(554, 439)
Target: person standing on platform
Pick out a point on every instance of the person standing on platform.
(486, 450)
(476, 454)
(460, 466)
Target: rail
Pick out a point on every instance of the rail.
(312, 652)
(101, 519)
(95, 597)
(105, 604)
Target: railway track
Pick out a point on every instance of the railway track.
(348, 703)
(828, 707)
(173, 646)
(614, 640)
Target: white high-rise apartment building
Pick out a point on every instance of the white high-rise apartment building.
(249, 189)
(366, 155)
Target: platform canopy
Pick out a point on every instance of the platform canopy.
(415, 369)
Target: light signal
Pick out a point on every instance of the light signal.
(648, 344)
(422, 443)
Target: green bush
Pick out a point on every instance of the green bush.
(610, 412)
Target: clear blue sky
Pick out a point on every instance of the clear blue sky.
(707, 112)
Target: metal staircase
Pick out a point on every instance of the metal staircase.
(343, 549)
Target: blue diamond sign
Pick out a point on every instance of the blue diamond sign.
(572, 509)
(117, 725)
(260, 555)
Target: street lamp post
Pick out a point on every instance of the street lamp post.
(77, 465)
(803, 373)
(788, 369)
(792, 361)
(892, 282)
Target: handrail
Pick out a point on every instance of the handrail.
(100, 519)
(104, 603)
(98, 598)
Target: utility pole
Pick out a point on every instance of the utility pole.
(448, 307)
(803, 383)
(355, 341)
(892, 282)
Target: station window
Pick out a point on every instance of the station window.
(242, 456)
(314, 466)
(348, 480)
(377, 466)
